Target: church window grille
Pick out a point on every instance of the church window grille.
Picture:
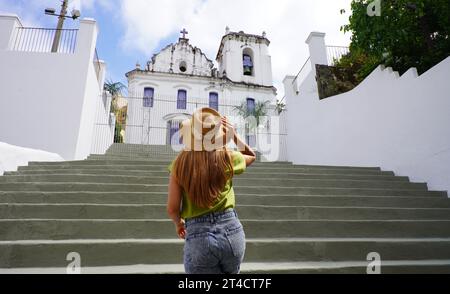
(181, 99)
(148, 97)
(250, 136)
(250, 105)
(214, 100)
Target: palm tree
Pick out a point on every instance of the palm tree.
(257, 113)
(115, 89)
(280, 106)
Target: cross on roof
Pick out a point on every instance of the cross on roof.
(184, 32)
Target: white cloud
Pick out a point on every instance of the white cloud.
(147, 22)
(287, 23)
(91, 5)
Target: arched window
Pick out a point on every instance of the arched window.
(148, 97)
(181, 99)
(183, 66)
(247, 60)
(214, 101)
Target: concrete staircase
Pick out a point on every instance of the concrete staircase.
(298, 219)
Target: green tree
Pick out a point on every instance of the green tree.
(358, 64)
(408, 33)
(117, 134)
(258, 113)
(115, 89)
(280, 106)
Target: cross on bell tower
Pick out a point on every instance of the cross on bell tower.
(184, 32)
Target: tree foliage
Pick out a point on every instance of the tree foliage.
(115, 89)
(280, 107)
(358, 63)
(259, 112)
(408, 33)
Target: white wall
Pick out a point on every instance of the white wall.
(12, 157)
(103, 134)
(47, 99)
(171, 57)
(396, 123)
(8, 23)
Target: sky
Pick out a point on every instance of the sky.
(131, 31)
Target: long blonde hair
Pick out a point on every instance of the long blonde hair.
(203, 174)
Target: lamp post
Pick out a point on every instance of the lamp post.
(61, 16)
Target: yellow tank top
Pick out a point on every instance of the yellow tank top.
(225, 199)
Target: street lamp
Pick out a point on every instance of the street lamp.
(61, 16)
(74, 14)
(50, 11)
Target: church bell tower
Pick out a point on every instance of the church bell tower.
(244, 58)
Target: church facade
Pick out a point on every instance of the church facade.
(181, 78)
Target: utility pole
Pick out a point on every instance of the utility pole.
(59, 27)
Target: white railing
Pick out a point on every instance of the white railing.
(334, 53)
(42, 39)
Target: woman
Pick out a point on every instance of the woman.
(201, 197)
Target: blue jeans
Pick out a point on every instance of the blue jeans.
(215, 244)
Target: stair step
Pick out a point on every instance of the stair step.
(313, 188)
(238, 181)
(247, 175)
(114, 252)
(257, 212)
(145, 155)
(167, 162)
(241, 199)
(163, 168)
(170, 157)
(262, 190)
(60, 229)
(153, 161)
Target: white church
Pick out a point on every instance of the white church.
(181, 78)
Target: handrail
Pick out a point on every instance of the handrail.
(97, 63)
(306, 62)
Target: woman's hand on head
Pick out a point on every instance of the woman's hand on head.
(181, 230)
(228, 127)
